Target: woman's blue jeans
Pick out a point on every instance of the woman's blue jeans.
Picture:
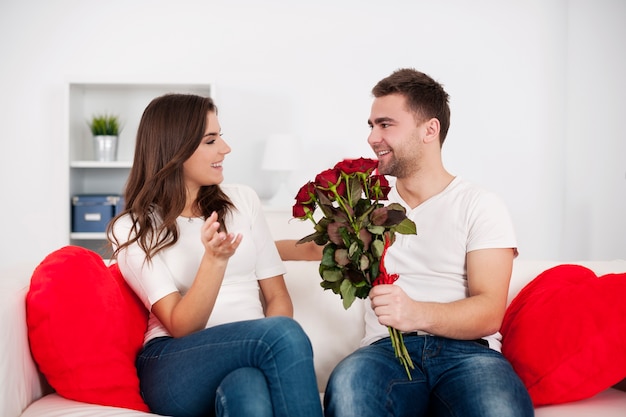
(249, 368)
(451, 378)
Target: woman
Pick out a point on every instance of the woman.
(198, 254)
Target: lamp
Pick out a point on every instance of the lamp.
(280, 155)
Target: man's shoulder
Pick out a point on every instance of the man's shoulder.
(471, 189)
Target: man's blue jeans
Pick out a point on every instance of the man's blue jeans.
(451, 378)
(250, 368)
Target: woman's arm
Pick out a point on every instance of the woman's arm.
(290, 250)
(182, 315)
(276, 297)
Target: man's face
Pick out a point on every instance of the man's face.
(394, 136)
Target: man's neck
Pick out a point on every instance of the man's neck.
(416, 189)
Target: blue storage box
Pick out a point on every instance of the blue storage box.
(93, 212)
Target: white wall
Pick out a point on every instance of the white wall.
(536, 94)
(594, 207)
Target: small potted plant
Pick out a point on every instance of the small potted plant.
(105, 129)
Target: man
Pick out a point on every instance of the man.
(451, 296)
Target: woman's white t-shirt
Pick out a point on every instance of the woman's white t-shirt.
(460, 219)
(174, 268)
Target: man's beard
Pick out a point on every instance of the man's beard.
(393, 168)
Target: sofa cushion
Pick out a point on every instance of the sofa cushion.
(565, 334)
(85, 327)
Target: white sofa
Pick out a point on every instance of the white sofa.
(334, 333)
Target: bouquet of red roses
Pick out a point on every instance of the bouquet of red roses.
(356, 230)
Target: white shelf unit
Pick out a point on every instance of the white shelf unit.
(126, 99)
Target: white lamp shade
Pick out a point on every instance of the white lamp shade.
(280, 154)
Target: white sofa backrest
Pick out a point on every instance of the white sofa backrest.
(20, 380)
(334, 332)
(525, 271)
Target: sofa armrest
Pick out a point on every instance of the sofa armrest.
(21, 381)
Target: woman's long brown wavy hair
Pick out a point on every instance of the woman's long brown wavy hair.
(170, 131)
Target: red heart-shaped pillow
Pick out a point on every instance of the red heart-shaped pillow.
(565, 334)
(85, 327)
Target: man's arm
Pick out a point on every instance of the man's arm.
(478, 315)
(289, 250)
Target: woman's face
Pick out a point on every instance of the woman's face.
(204, 166)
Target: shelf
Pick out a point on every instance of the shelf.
(88, 236)
(127, 99)
(99, 164)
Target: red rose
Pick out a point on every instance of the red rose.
(328, 178)
(351, 166)
(300, 211)
(379, 187)
(306, 193)
(341, 189)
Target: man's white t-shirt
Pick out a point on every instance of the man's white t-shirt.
(460, 219)
(174, 269)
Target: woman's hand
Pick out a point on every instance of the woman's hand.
(218, 244)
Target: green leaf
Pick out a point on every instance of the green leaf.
(324, 203)
(374, 270)
(348, 293)
(356, 190)
(406, 227)
(353, 249)
(322, 225)
(328, 256)
(337, 233)
(395, 217)
(396, 207)
(364, 263)
(332, 275)
(333, 286)
(376, 230)
(362, 291)
(377, 248)
(341, 257)
(363, 208)
(310, 238)
(360, 284)
(346, 237)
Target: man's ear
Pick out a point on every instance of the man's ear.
(433, 127)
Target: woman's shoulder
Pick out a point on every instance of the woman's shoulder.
(124, 221)
(244, 198)
(240, 193)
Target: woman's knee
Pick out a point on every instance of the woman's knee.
(286, 332)
(243, 392)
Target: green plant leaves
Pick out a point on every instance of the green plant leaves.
(406, 227)
(348, 293)
(105, 125)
